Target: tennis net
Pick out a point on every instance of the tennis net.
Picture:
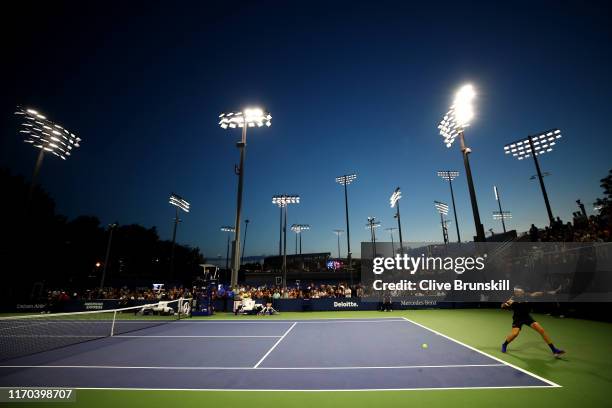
(24, 335)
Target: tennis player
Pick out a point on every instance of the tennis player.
(522, 317)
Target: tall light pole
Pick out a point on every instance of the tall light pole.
(111, 228)
(47, 136)
(443, 211)
(182, 204)
(280, 228)
(450, 175)
(230, 231)
(298, 229)
(283, 201)
(535, 146)
(394, 201)
(500, 215)
(372, 225)
(338, 232)
(246, 228)
(391, 229)
(452, 126)
(252, 117)
(345, 180)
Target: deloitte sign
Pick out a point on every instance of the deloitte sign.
(346, 305)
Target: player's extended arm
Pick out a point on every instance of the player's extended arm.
(507, 304)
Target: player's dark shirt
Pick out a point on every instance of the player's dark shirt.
(521, 309)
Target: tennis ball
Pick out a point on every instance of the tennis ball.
(424, 345)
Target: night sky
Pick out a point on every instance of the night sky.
(352, 87)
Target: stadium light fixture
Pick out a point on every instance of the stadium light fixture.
(453, 125)
(535, 146)
(180, 204)
(505, 215)
(283, 201)
(230, 231)
(298, 229)
(372, 225)
(344, 181)
(248, 118)
(47, 136)
(338, 232)
(443, 211)
(450, 175)
(394, 201)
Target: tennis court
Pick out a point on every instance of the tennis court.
(276, 355)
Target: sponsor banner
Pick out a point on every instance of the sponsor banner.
(331, 304)
(29, 307)
(75, 306)
(487, 272)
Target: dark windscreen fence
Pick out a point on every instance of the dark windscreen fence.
(24, 335)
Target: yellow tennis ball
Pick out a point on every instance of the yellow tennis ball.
(424, 345)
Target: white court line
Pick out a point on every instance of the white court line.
(275, 344)
(195, 336)
(312, 321)
(485, 354)
(261, 368)
(295, 390)
(54, 336)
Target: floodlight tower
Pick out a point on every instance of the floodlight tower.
(443, 211)
(47, 136)
(230, 231)
(391, 229)
(394, 202)
(252, 117)
(298, 229)
(535, 146)
(372, 225)
(338, 232)
(283, 201)
(450, 175)
(345, 180)
(180, 204)
(500, 215)
(452, 126)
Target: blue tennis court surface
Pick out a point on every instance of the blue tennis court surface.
(313, 355)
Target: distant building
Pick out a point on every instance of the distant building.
(304, 262)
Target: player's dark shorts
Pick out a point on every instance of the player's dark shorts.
(518, 321)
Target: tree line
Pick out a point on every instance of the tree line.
(43, 250)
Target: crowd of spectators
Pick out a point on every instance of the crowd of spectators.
(581, 229)
(310, 291)
(124, 295)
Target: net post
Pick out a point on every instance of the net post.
(113, 325)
